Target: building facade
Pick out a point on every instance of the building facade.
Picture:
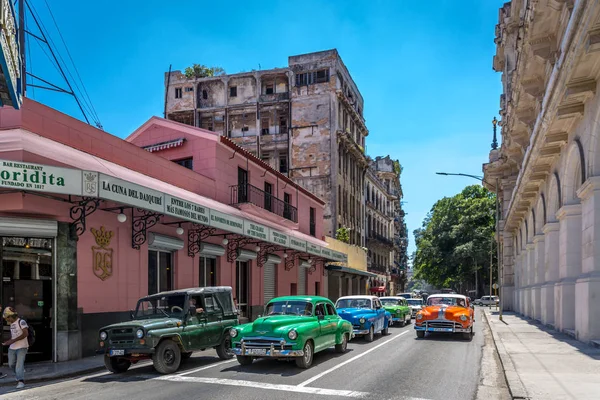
(89, 223)
(547, 169)
(305, 120)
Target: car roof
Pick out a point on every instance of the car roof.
(363, 296)
(301, 298)
(392, 297)
(453, 295)
(195, 290)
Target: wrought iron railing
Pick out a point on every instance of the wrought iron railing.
(246, 193)
(381, 239)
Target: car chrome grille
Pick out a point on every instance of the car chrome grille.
(264, 343)
(121, 335)
(443, 324)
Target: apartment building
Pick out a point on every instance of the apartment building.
(304, 120)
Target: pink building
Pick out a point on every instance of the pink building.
(89, 223)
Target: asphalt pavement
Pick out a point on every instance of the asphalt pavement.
(397, 366)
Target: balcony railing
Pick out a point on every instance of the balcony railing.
(381, 239)
(274, 97)
(377, 268)
(246, 193)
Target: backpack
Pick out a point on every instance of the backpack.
(30, 334)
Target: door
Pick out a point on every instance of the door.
(380, 312)
(268, 282)
(242, 287)
(268, 196)
(242, 185)
(160, 271)
(323, 340)
(301, 281)
(26, 267)
(214, 320)
(194, 335)
(331, 328)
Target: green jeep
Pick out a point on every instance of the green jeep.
(167, 327)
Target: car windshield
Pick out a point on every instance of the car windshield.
(161, 306)
(415, 302)
(353, 303)
(293, 307)
(390, 302)
(450, 301)
(406, 295)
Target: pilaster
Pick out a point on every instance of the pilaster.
(529, 274)
(551, 268)
(538, 275)
(507, 283)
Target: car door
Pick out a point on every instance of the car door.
(214, 320)
(379, 315)
(332, 324)
(192, 335)
(322, 341)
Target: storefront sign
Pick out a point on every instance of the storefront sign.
(226, 222)
(279, 238)
(39, 178)
(313, 249)
(256, 231)
(339, 256)
(10, 58)
(129, 193)
(187, 210)
(326, 252)
(102, 255)
(297, 244)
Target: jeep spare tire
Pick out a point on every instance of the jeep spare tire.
(167, 357)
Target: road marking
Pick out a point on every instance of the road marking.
(262, 385)
(330, 370)
(206, 367)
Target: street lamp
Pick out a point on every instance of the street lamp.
(480, 178)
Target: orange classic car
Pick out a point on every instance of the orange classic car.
(450, 313)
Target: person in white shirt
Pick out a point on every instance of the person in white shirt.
(18, 344)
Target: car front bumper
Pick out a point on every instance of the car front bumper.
(266, 352)
(113, 352)
(447, 330)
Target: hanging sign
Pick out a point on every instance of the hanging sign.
(129, 193)
(226, 222)
(256, 231)
(313, 249)
(279, 238)
(297, 244)
(187, 210)
(39, 178)
(11, 92)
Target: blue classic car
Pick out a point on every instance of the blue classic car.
(366, 314)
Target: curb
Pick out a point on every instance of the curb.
(515, 386)
(11, 382)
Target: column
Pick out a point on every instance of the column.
(551, 243)
(530, 279)
(538, 276)
(517, 277)
(507, 282)
(587, 298)
(569, 217)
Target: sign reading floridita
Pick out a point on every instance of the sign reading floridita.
(43, 178)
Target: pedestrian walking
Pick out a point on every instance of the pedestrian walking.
(18, 344)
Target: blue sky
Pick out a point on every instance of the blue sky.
(423, 68)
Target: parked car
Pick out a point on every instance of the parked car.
(398, 308)
(487, 301)
(450, 313)
(406, 295)
(167, 327)
(366, 314)
(415, 306)
(292, 327)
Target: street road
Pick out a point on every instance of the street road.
(397, 366)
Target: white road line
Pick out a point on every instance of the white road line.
(206, 367)
(262, 385)
(322, 374)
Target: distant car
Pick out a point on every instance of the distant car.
(487, 301)
(366, 314)
(406, 295)
(449, 313)
(398, 308)
(293, 327)
(415, 306)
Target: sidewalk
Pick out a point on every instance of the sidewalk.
(540, 363)
(46, 371)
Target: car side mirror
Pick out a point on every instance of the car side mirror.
(131, 314)
(320, 317)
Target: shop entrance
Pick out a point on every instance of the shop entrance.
(26, 269)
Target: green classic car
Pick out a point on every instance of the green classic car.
(398, 307)
(167, 327)
(292, 327)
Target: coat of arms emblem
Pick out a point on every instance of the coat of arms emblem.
(90, 183)
(102, 255)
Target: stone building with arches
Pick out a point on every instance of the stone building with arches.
(548, 165)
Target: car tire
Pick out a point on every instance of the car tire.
(342, 347)
(371, 335)
(224, 348)
(167, 357)
(420, 334)
(244, 360)
(385, 331)
(185, 356)
(116, 365)
(409, 320)
(468, 335)
(306, 360)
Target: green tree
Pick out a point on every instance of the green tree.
(456, 239)
(202, 71)
(343, 235)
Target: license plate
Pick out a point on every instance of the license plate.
(117, 353)
(256, 352)
(442, 330)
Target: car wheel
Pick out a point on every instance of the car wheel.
(167, 357)
(116, 365)
(420, 334)
(341, 348)
(244, 360)
(224, 348)
(385, 331)
(468, 335)
(371, 335)
(306, 360)
(409, 319)
(185, 356)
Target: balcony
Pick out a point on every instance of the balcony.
(381, 239)
(273, 97)
(380, 269)
(248, 194)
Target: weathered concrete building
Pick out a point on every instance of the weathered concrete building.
(305, 120)
(548, 166)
